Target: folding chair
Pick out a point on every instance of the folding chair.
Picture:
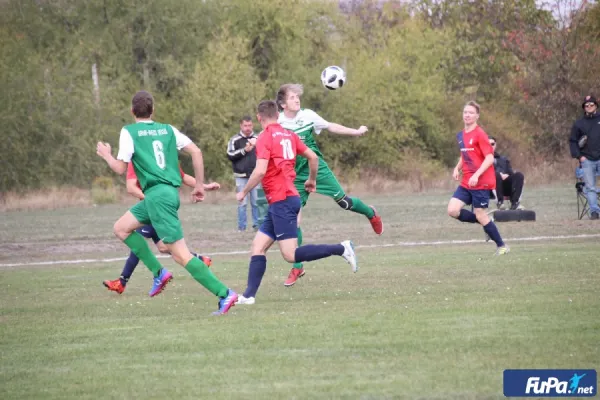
(582, 201)
(494, 196)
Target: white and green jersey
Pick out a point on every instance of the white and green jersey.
(153, 149)
(306, 124)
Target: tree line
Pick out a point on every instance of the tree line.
(69, 68)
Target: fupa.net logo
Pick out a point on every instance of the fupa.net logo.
(550, 383)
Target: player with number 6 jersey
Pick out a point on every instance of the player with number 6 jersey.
(147, 231)
(276, 150)
(153, 147)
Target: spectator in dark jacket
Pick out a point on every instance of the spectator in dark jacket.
(585, 147)
(508, 182)
(242, 154)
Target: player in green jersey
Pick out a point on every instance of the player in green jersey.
(153, 147)
(307, 123)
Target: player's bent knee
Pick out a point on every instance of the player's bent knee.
(119, 231)
(177, 258)
(345, 202)
(482, 217)
(259, 248)
(289, 256)
(181, 259)
(162, 247)
(453, 212)
(258, 251)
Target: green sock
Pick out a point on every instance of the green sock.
(203, 275)
(299, 265)
(140, 248)
(359, 207)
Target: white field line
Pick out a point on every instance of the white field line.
(371, 246)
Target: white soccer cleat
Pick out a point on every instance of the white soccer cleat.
(245, 300)
(349, 254)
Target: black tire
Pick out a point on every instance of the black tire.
(514, 215)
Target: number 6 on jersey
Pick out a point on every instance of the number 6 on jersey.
(159, 154)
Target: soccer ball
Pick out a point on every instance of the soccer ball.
(333, 77)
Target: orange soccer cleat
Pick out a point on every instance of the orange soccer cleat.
(114, 286)
(295, 273)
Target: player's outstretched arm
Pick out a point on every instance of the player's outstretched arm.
(259, 172)
(190, 181)
(313, 162)
(457, 169)
(104, 150)
(133, 189)
(198, 163)
(343, 130)
(313, 167)
(212, 186)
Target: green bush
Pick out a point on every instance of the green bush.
(104, 191)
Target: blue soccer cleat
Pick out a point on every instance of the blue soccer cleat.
(160, 282)
(226, 303)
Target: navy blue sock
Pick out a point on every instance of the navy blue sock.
(256, 271)
(493, 233)
(130, 264)
(312, 252)
(467, 216)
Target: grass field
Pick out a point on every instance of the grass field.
(417, 321)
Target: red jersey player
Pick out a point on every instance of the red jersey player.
(276, 150)
(478, 177)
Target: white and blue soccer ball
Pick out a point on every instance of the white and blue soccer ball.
(333, 77)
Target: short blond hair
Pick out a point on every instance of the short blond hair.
(285, 89)
(474, 105)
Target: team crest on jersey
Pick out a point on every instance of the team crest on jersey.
(471, 142)
(299, 122)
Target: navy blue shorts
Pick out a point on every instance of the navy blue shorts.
(281, 221)
(148, 232)
(479, 198)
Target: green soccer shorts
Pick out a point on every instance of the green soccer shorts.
(159, 209)
(327, 183)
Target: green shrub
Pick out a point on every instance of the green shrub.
(104, 191)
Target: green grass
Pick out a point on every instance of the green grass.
(416, 322)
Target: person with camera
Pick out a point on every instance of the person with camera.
(242, 154)
(584, 144)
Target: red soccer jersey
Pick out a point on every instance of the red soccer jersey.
(474, 146)
(131, 173)
(280, 147)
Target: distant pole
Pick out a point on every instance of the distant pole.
(96, 84)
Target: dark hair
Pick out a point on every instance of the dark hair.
(268, 109)
(246, 118)
(492, 138)
(142, 104)
(473, 104)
